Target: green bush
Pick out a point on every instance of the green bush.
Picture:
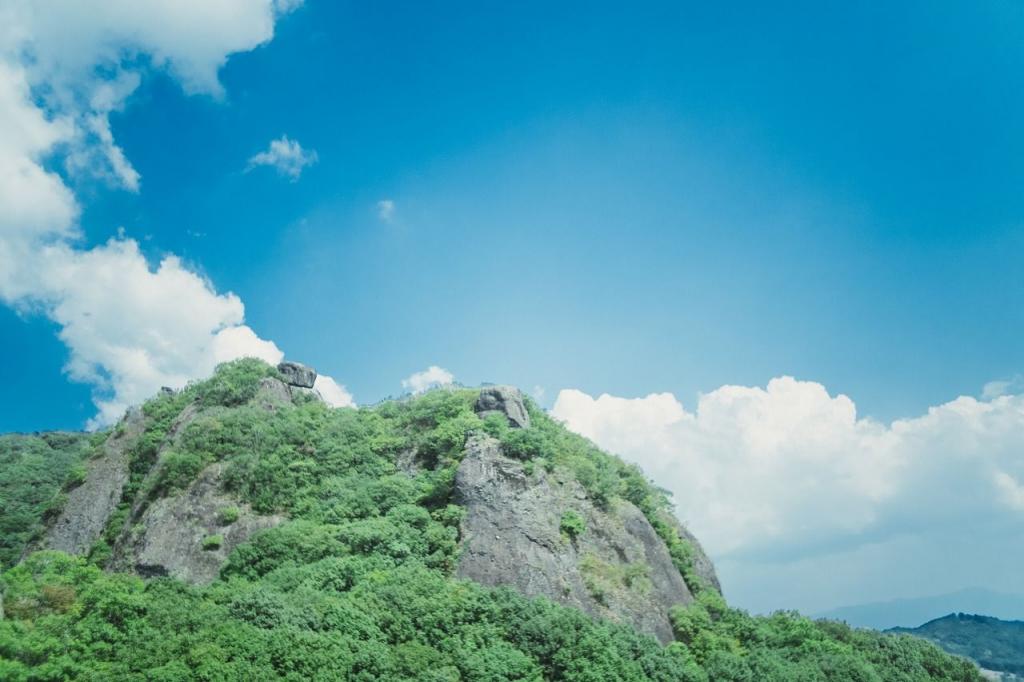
(234, 383)
(228, 515)
(572, 525)
(212, 542)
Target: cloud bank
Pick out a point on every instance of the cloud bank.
(64, 67)
(782, 477)
(286, 156)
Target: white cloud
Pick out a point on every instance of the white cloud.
(64, 67)
(131, 329)
(287, 156)
(386, 210)
(788, 473)
(332, 392)
(428, 378)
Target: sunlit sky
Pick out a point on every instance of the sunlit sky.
(633, 199)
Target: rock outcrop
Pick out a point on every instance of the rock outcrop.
(184, 535)
(507, 400)
(89, 505)
(272, 393)
(297, 374)
(514, 533)
(189, 535)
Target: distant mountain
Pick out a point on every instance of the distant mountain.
(994, 644)
(909, 613)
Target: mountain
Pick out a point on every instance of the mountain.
(907, 613)
(240, 529)
(996, 645)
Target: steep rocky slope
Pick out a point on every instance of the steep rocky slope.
(612, 564)
(136, 527)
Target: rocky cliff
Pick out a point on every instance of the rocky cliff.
(541, 533)
(185, 535)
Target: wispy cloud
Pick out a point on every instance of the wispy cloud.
(286, 156)
(386, 210)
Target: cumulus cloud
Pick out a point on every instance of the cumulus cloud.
(428, 378)
(333, 393)
(386, 210)
(65, 66)
(789, 473)
(286, 156)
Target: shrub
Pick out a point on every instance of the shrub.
(572, 525)
(212, 542)
(228, 515)
(76, 477)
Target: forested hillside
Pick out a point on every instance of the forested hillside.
(995, 644)
(336, 540)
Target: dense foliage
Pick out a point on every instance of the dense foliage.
(730, 645)
(357, 584)
(34, 471)
(995, 644)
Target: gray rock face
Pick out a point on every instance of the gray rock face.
(296, 374)
(85, 514)
(169, 537)
(506, 400)
(617, 568)
(272, 394)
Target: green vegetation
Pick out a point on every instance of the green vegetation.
(729, 644)
(602, 578)
(995, 644)
(572, 525)
(212, 542)
(228, 515)
(33, 471)
(357, 583)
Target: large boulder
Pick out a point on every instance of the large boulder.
(539, 533)
(507, 400)
(297, 374)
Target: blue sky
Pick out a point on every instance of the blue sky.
(665, 198)
(668, 198)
